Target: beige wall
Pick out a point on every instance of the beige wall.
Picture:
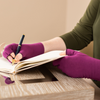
(38, 19)
(74, 11)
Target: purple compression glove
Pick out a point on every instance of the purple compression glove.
(79, 65)
(7, 80)
(27, 50)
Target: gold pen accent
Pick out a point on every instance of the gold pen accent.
(13, 61)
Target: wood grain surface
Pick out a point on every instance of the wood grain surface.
(64, 88)
(32, 73)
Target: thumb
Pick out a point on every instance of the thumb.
(18, 57)
(70, 52)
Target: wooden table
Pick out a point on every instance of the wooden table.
(46, 82)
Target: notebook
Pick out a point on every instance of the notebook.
(7, 68)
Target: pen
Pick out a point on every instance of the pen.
(18, 48)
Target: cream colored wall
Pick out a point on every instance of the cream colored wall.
(74, 11)
(39, 20)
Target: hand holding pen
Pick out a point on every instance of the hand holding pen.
(26, 51)
(18, 48)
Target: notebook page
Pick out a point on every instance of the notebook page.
(45, 56)
(40, 59)
(31, 65)
(6, 66)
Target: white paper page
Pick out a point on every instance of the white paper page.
(46, 56)
(6, 65)
(31, 65)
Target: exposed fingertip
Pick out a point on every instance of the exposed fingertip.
(12, 54)
(18, 57)
(10, 58)
(62, 53)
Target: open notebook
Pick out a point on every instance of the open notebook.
(7, 67)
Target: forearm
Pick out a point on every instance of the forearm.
(54, 44)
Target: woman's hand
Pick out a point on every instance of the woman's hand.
(26, 51)
(78, 65)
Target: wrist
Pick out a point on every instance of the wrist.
(54, 44)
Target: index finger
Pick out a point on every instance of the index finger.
(11, 57)
(18, 57)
